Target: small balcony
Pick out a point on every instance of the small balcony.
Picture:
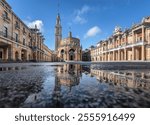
(24, 32)
(17, 26)
(6, 18)
(34, 48)
(2, 34)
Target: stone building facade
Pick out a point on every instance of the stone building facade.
(18, 42)
(68, 49)
(129, 45)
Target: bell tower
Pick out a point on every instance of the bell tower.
(58, 30)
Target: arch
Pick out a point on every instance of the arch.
(16, 56)
(23, 55)
(71, 54)
(34, 56)
(62, 52)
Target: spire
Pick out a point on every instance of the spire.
(58, 29)
(70, 33)
(58, 6)
(58, 21)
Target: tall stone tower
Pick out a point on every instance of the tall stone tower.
(58, 32)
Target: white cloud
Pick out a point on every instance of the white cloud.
(92, 32)
(38, 23)
(79, 14)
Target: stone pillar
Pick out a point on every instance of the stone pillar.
(119, 55)
(136, 54)
(36, 56)
(11, 55)
(125, 54)
(76, 55)
(113, 55)
(133, 36)
(67, 54)
(133, 54)
(27, 55)
(143, 34)
(143, 52)
(19, 55)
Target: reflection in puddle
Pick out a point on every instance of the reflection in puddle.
(132, 79)
(77, 85)
(11, 68)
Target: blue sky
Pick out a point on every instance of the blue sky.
(90, 20)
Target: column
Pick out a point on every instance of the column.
(118, 55)
(133, 36)
(11, 56)
(143, 34)
(27, 58)
(125, 54)
(133, 54)
(143, 52)
(113, 56)
(19, 55)
(36, 56)
(108, 56)
(137, 54)
(76, 55)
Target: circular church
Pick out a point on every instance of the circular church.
(68, 49)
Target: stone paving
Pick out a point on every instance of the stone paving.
(34, 85)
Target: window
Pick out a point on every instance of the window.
(140, 38)
(5, 14)
(16, 37)
(23, 29)
(24, 42)
(5, 32)
(17, 25)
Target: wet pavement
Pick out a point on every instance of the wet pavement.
(48, 85)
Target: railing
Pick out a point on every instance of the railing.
(17, 26)
(6, 18)
(2, 34)
(34, 48)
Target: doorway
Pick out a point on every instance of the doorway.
(71, 54)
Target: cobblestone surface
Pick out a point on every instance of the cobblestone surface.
(35, 85)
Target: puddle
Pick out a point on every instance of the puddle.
(11, 68)
(74, 85)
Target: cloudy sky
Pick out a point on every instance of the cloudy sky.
(90, 20)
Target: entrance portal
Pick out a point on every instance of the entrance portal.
(71, 57)
(71, 54)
